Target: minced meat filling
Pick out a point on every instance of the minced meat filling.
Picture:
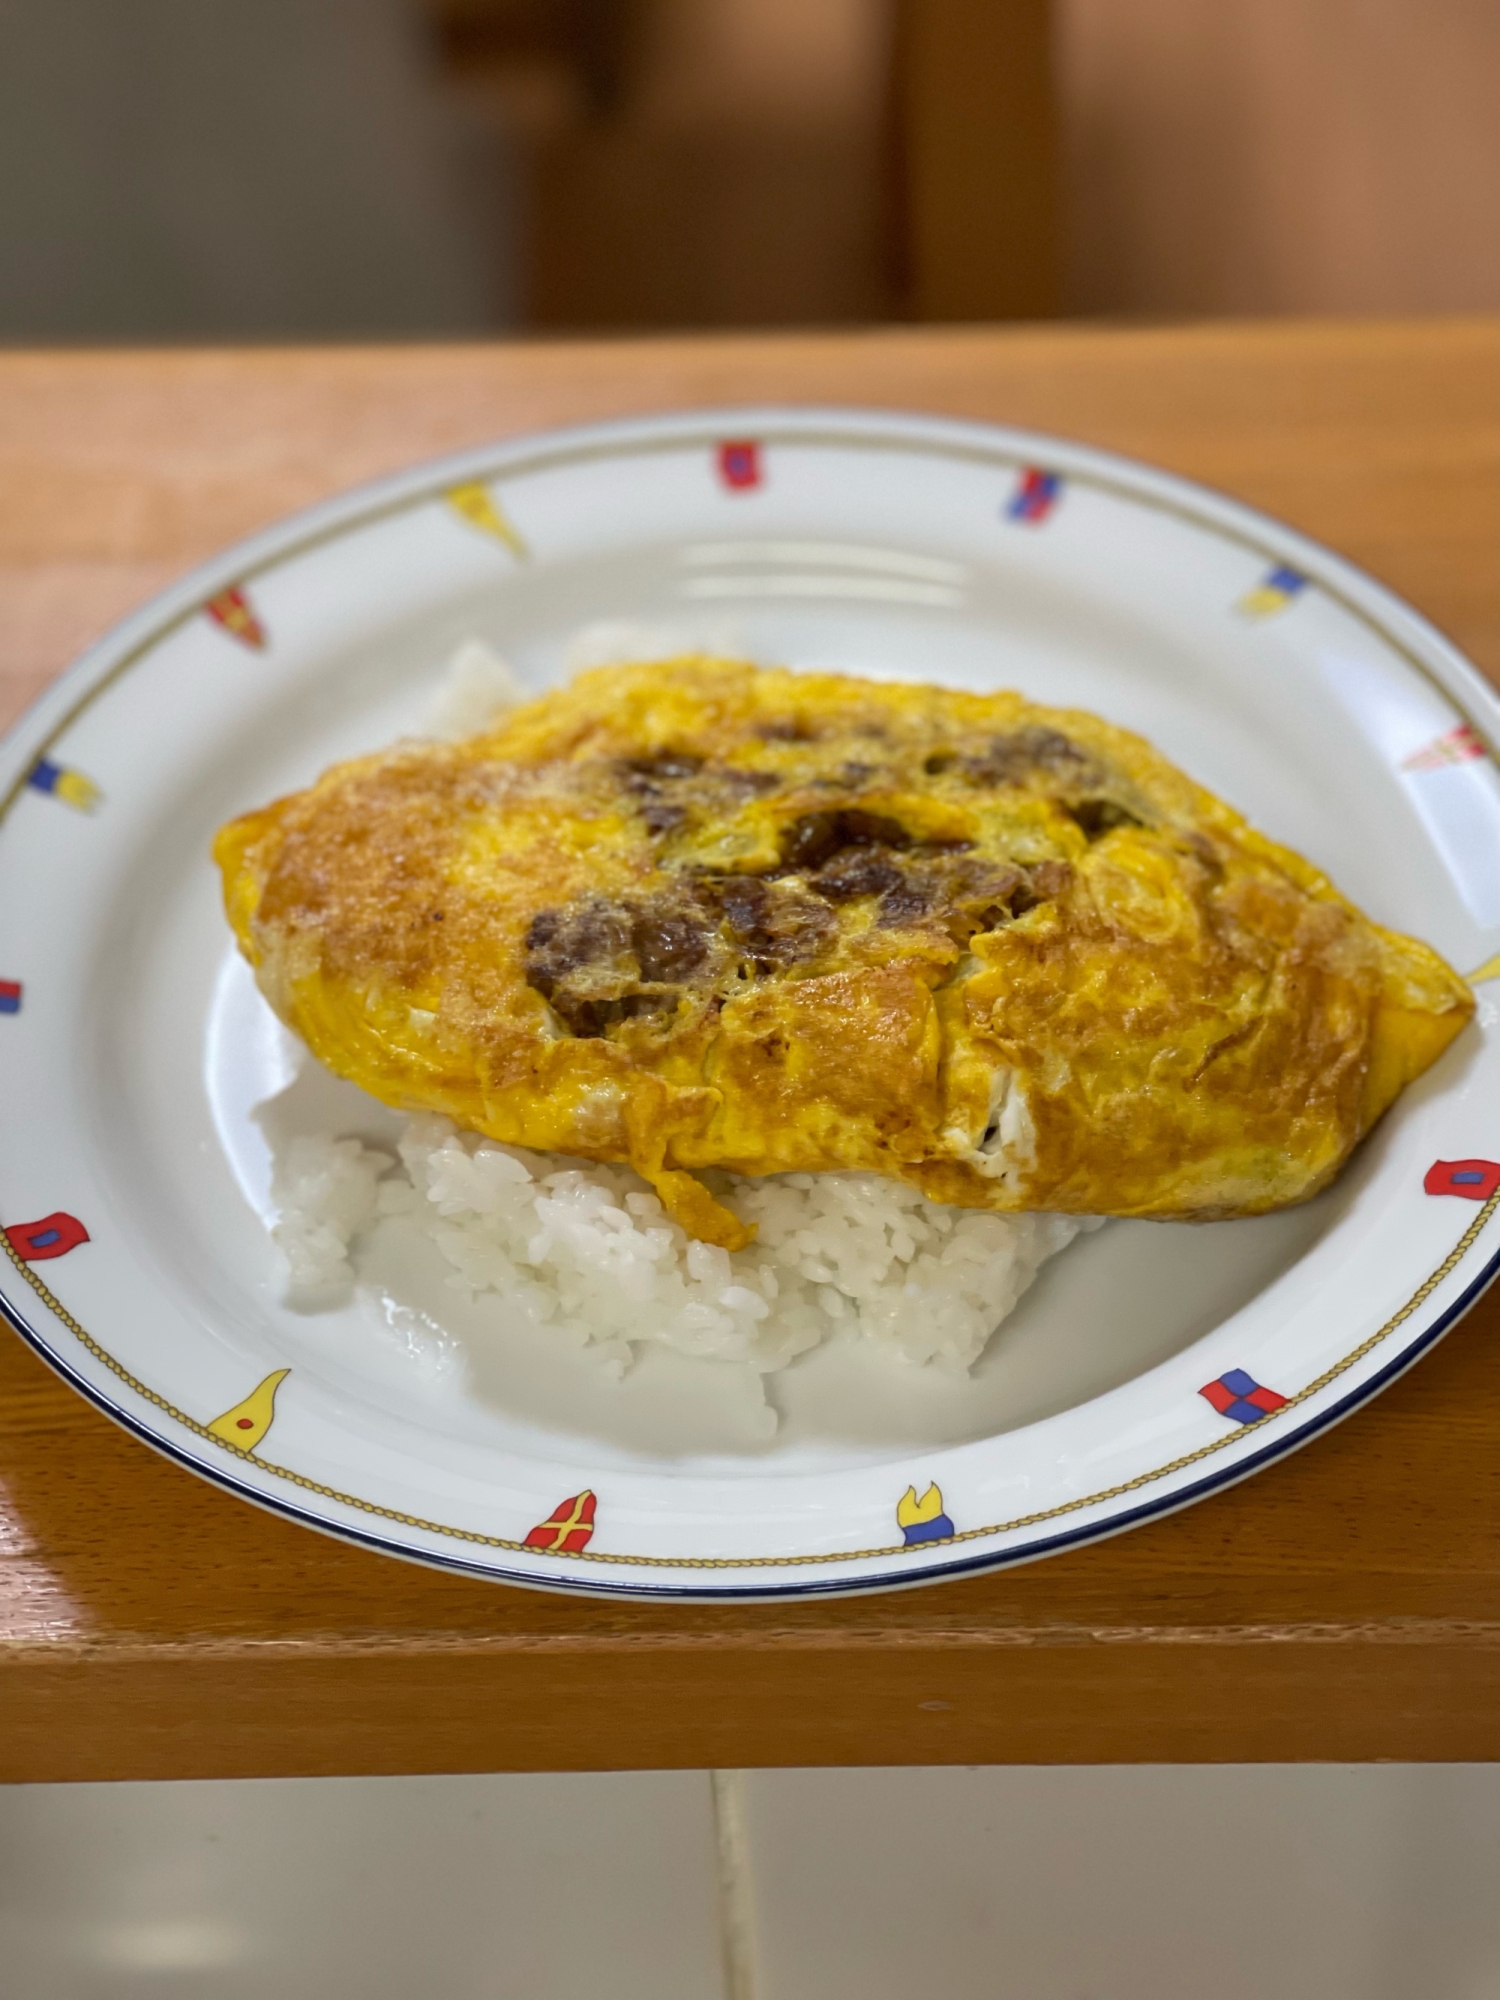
(842, 871)
(815, 918)
(603, 961)
(670, 785)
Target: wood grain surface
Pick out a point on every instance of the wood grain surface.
(1344, 1605)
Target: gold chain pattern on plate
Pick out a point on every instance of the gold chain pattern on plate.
(547, 459)
(552, 457)
(1424, 1291)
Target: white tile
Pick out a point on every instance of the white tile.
(575, 1887)
(1238, 1882)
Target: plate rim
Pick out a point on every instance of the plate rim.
(1418, 641)
(1174, 1502)
(109, 656)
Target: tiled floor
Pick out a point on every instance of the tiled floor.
(1147, 1883)
(1273, 1882)
(542, 1888)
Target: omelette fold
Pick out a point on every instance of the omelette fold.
(698, 914)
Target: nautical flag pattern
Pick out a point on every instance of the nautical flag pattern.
(1455, 746)
(247, 1423)
(1037, 493)
(479, 507)
(568, 1529)
(233, 610)
(72, 787)
(54, 1236)
(1473, 1180)
(922, 1520)
(1273, 593)
(739, 464)
(10, 996)
(1241, 1397)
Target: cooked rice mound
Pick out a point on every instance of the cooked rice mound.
(591, 1248)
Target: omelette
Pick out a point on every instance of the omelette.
(698, 915)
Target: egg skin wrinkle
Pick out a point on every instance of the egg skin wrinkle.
(699, 915)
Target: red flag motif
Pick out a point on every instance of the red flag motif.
(739, 464)
(233, 610)
(54, 1236)
(568, 1528)
(1474, 1180)
(1456, 746)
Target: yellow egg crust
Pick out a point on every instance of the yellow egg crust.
(697, 914)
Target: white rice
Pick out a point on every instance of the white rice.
(590, 1248)
(476, 686)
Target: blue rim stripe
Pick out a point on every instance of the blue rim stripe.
(840, 1586)
(1011, 447)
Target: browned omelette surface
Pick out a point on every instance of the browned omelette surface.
(698, 914)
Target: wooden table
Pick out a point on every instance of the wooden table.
(1344, 1605)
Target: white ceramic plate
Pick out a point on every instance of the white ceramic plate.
(1150, 1364)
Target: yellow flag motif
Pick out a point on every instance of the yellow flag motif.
(247, 1423)
(480, 509)
(922, 1520)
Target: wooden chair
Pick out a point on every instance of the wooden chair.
(971, 227)
(585, 38)
(975, 209)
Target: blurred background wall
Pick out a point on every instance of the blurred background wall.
(180, 169)
(1273, 156)
(241, 168)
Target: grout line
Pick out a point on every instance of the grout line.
(736, 1901)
